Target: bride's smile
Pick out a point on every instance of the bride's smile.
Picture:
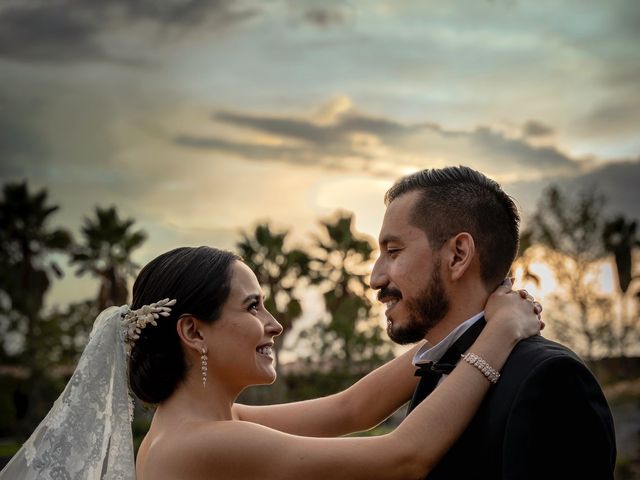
(240, 343)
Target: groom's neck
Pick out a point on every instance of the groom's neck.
(464, 304)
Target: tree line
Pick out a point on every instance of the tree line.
(44, 344)
(575, 237)
(570, 234)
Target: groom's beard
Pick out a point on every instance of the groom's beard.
(425, 312)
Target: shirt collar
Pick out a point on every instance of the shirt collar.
(433, 353)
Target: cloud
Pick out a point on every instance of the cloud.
(247, 150)
(68, 30)
(380, 142)
(20, 142)
(615, 116)
(497, 147)
(534, 129)
(56, 140)
(186, 12)
(325, 17)
(47, 32)
(321, 14)
(292, 128)
(618, 181)
(346, 122)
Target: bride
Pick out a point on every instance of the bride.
(193, 355)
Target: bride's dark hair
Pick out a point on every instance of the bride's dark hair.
(199, 279)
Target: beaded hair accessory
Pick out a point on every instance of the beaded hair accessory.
(134, 321)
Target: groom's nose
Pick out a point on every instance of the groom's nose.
(378, 275)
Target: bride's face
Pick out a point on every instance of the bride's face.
(240, 342)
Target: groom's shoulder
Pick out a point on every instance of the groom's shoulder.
(537, 349)
(538, 361)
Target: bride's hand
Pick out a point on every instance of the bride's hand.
(516, 310)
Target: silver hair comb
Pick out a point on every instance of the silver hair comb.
(134, 321)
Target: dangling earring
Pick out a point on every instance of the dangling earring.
(203, 361)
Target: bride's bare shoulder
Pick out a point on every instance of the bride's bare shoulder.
(194, 450)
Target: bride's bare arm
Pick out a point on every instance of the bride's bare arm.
(351, 410)
(243, 450)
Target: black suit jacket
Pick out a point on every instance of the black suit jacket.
(546, 418)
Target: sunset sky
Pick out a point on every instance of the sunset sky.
(200, 118)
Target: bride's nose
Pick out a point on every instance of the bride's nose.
(272, 327)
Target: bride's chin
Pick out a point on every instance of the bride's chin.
(269, 380)
(262, 382)
(264, 379)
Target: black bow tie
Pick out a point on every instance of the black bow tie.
(437, 367)
(432, 372)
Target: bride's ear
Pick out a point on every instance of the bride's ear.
(188, 328)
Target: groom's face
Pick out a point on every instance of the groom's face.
(408, 275)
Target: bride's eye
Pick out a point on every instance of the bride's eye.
(253, 307)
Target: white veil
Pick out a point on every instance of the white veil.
(87, 433)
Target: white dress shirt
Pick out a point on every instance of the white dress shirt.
(433, 353)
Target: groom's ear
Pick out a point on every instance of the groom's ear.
(460, 253)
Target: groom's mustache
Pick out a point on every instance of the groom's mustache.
(386, 294)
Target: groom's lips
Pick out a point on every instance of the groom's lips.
(390, 306)
(390, 301)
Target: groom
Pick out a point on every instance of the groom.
(448, 239)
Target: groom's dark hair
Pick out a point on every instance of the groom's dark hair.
(460, 199)
(200, 281)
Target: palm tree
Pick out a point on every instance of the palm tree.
(279, 270)
(106, 254)
(523, 258)
(619, 238)
(352, 337)
(26, 241)
(570, 229)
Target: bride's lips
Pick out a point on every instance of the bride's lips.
(265, 350)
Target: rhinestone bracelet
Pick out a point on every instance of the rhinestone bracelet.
(477, 361)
